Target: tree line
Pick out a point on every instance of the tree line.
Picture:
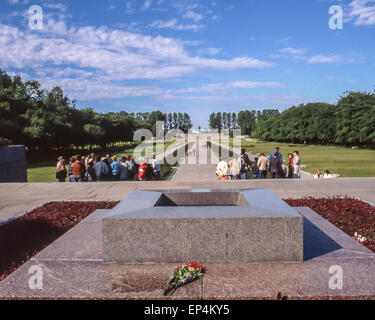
(350, 121)
(48, 119)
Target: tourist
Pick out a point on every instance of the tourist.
(83, 161)
(90, 172)
(108, 176)
(262, 164)
(142, 171)
(275, 166)
(101, 170)
(145, 171)
(296, 165)
(222, 170)
(156, 167)
(93, 158)
(255, 168)
(327, 175)
(124, 170)
(108, 157)
(115, 166)
(234, 169)
(290, 165)
(78, 169)
(134, 168)
(277, 150)
(129, 166)
(284, 171)
(87, 159)
(61, 172)
(245, 163)
(318, 175)
(70, 169)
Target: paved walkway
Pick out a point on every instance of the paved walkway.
(17, 198)
(73, 268)
(200, 165)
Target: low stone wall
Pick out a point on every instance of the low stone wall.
(13, 167)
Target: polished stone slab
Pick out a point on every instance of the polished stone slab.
(72, 274)
(83, 279)
(206, 226)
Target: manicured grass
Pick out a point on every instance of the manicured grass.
(46, 171)
(41, 172)
(338, 160)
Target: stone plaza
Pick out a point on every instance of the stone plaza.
(252, 244)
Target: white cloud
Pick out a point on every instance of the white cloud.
(82, 58)
(253, 85)
(209, 51)
(219, 87)
(57, 6)
(193, 16)
(240, 62)
(329, 58)
(147, 4)
(292, 50)
(96, 89)
(363, 12)
(173, 24)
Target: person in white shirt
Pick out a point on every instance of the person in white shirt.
(327, 175)
(222, 170)
(156, 167)
(262, 164)
(296, 165)
(234, 169)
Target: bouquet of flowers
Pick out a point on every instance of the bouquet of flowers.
(183, 275)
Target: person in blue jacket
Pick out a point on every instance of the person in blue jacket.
(101, 170)
(277, 150)
(115, 166)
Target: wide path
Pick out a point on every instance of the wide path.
(200, 165)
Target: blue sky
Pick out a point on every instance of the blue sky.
(190, 56)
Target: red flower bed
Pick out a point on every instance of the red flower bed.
(24, 237)
(350, 215)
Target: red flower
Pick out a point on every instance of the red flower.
(194, 265)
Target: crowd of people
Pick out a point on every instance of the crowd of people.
(94, 168)
(242, 168)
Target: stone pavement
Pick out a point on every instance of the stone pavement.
(17, 198)
(199, 166)
(73, 268)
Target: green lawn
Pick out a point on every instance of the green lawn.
(46, 171)
(338, 160)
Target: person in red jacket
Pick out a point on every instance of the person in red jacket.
(143, 171)
(79, 170)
